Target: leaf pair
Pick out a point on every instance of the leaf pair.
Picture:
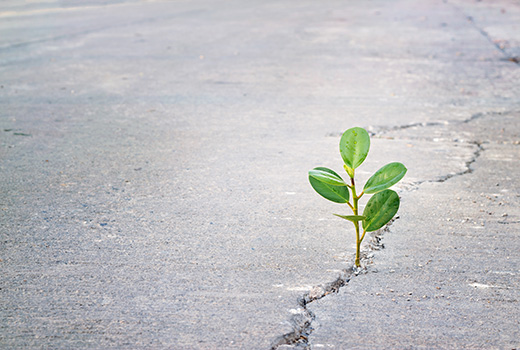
(332, 187)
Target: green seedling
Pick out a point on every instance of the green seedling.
(384, 203)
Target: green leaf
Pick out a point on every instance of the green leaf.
(329, 185)
(354, 146)
(380, 209)
(353, 218)
(385, 177)
(327, 176)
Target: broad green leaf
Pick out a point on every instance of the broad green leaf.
(329, 185)
(385, 177)
(353, 218)
(354, 146)
(327, 176)
(380, 209)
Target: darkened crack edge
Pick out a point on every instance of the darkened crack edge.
(479, 148)
(302, 322)
(378, 131)
(468, 170)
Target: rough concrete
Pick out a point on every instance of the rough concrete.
(448, 277)
(153, 173)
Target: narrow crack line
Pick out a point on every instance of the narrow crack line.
(381, 130)
(479, 149)
(468, 164)
(475, 117)
(302, 322)
(476, 154)
(384, 130)
(496, 44)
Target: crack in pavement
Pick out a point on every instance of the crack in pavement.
(381, 130)
(479, 148)
(496, 43)
(487, 36)
(468, 169)
(302, 322)
(468, 164)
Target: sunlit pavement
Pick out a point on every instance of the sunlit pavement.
(153, 174)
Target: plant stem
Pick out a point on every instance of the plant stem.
(355, 200)
(363, 235)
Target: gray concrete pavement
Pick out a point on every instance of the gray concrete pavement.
(448, 277)
(153, 167)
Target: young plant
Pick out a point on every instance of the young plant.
(384, 203)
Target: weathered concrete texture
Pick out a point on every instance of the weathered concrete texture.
(154, 158)
(448, 277)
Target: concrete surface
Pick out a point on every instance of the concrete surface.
(153, 171)
(448, 277)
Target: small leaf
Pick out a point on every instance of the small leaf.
(354, 146)
(349, 170)
(329, 185)
(380, 209)
(353, 218)
(385, 177)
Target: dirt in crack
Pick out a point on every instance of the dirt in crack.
(302, 322)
